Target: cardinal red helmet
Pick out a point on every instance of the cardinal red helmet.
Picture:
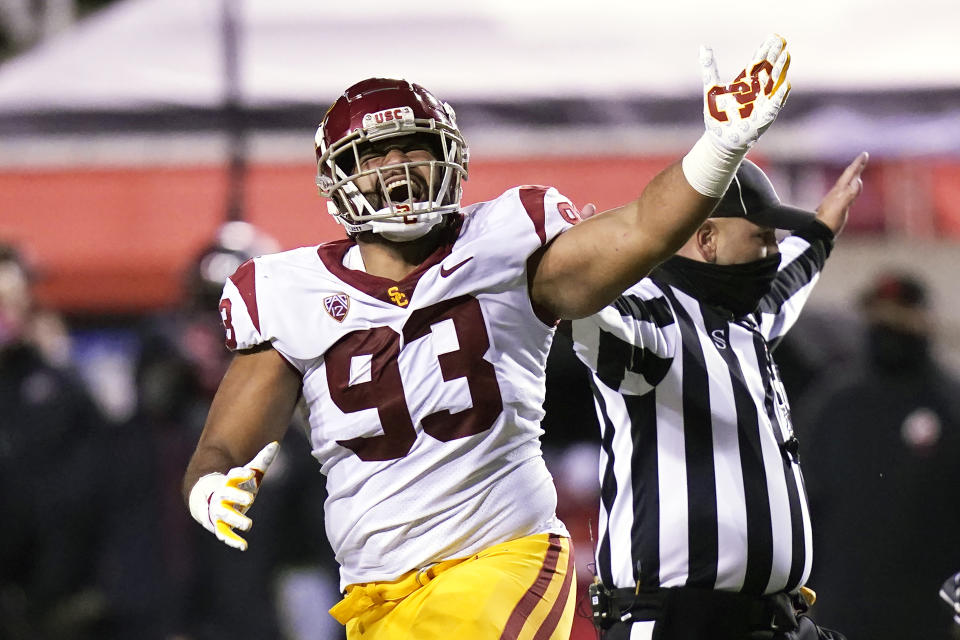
(378, 109)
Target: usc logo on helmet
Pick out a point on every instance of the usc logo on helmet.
(398, 114)
(399, 297)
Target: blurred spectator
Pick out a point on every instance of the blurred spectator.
(49, 472)
(823, 340)
(881, 446)
(162, 576)
(574, 469)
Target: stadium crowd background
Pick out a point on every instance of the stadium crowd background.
(149, 146)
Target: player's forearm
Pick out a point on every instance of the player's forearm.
(230, 443)
(252, 407)
(591, 264)
(664, 217)
(649, 231)
(206, 459)
(594, 262)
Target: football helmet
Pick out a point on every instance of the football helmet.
(376, 110)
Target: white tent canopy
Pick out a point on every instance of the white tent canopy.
(611, 59)
(150, 53)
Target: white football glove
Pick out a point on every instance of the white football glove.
(219, 501)
(735, 114)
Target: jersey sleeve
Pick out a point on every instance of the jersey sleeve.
(803, 256)
(505, 233)
(239, 311)
(631, 343)
(550, 212)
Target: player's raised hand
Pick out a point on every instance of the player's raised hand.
(219, 502)
(736, 113)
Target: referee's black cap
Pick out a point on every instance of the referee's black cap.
(751, 195)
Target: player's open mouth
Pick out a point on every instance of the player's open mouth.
(400, 189)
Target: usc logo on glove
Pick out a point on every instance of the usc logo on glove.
(745, 90)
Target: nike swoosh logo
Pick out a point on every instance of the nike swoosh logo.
(446, 272)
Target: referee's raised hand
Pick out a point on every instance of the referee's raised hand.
(835, 206)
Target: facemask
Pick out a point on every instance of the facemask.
(735, 287)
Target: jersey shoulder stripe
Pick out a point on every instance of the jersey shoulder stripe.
(532, 199)
(548, 213)
(245, 305)
(245, 280)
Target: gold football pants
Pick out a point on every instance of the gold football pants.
(524, 589)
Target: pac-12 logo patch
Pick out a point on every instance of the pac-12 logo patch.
(337, 306)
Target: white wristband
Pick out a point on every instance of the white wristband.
(200, 498)
(710, 168)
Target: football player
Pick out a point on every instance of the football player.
(418, 345)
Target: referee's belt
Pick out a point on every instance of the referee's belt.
(731, 609)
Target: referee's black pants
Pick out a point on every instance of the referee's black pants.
(700, 614)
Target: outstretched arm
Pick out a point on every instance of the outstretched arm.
(587, 267)
(805, 252)
(252, 409)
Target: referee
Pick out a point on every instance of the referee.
(704, 525)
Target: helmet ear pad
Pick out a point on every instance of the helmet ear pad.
(380, 110)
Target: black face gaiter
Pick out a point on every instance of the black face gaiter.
(735, 287)
(896, 350)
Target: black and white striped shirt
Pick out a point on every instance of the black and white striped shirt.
(700, 484)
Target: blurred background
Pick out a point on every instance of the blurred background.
(150, 146)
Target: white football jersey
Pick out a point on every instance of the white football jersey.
(424, 396)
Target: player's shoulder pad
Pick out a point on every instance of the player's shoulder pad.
(241, 302)
(301, 256)
(239, 310)
(548, 212)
